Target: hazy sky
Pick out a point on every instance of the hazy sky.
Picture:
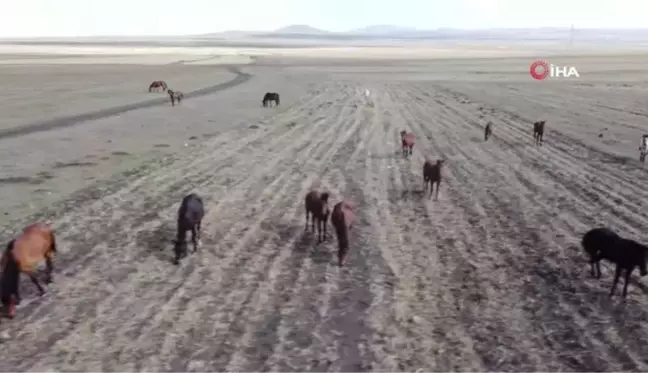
(172, 17)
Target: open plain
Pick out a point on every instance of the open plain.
(489, 277)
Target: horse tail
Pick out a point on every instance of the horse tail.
(53, 244)
(10, 275)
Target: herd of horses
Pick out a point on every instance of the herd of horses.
(178, 96)
(37, 242)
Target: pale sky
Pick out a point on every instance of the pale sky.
(20, 18)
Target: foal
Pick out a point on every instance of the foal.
(407, 142)
(538, 131)
(175, 96)
(488, 131)
(190, 215)
(342, 219)
(34, 244)
(432, 175)
(316, 205)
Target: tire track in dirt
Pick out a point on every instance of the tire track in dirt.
(181, 169)
(456, 221)
(503, 201)
(240, 77)
(103, 209)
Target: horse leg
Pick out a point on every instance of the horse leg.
(34, 279)
(320, 236)
(627, 280)
(411, 147)
(436, 195)
(306, 226)
(194, 236)
(49, 267)
(617, 274)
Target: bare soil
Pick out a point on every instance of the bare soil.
(489, 277)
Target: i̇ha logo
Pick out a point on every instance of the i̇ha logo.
(540, 70)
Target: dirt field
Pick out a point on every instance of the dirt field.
(489, 277)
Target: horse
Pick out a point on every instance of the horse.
(596, 243)
(602, 243)
(538, 132)
(316, 205)
(22, 254)
(158, 84)
(270, 96)
(342, 219)
(407, 142)
(431, 175)
(488, 131)
(643, 148)
(190, 215)
(175, 96)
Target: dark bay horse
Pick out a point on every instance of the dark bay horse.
(488, 131)
(190, 215)
(432, 175)
(158, 84)
(316, 205)
(34, 244)
(407, 143)
(538, 131)
(342, 219)
(175, 96)
(269, 97)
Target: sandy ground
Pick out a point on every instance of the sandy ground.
(489, 277)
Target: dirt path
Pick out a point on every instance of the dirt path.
(486, 278)
(240, 77)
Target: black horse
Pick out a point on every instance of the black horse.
(270, 96)
(538, 132)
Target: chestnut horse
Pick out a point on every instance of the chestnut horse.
(35, 243)
(342, 219)
(190, 215)
(158, 84)
(407, 142)
(269, 97)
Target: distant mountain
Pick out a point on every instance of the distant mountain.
(300, 29)
(382, 30)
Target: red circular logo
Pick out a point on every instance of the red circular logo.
(539, 70)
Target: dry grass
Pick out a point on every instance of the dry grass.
(489, 277)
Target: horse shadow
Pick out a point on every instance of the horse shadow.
(158, 242)
(395, 196)
(306, 244)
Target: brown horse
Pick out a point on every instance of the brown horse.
(158, 84)
(316, 204)
(488, 131)
(431, 175)
(175, 96)
(36, 243)
(538, 131)
(407, 142)
(342, 219)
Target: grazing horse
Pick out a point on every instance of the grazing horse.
(643, 148)
(175, 96)
(488, 131)
(538, 131)
(316, 204)
(342, 219)
(158, 84)
(432, 175)
(596, 243)
(190, 215)
(407, 142)
(270, 96)
(602, 243)
(35, 243)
